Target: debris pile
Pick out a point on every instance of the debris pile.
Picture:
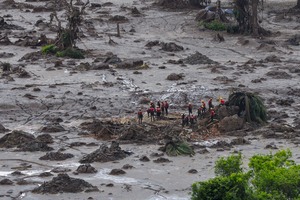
(56, 156)
(64, 183)
(106, 154)
(197, 58)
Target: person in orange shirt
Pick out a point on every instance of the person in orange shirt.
(140, 116)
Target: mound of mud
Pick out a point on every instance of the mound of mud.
(46, 138)
(86, 168)
(106, 154)
(52, 128)
(278, 74)
(171, 47)
(197, 58)
(104, 130)
(56, 156)
(4, 25)
(64, 183)
(24, 141)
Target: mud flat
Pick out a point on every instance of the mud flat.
(58, 111)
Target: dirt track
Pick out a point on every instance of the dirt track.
(69, 94)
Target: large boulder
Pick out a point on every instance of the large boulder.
(231, 123)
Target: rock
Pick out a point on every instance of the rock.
(105, 154)
(130, 64)
(64, 183)
(127, 166)
(161, 160)
(34, 146)
(6, 55)
(112, 59)
(226, 111)
(118, 19)
(6, 182)
(60, 170)
(144, 159)
(56, 156)
(221, 145)
(171, 47)
(45, 174)
(239, 141)
(135, 11)
(197, 58)
(117, 172)
(152, 43)
(86, 168)
(96, 5)
(272, 145)
(45, 138)
(193, 171)
(231, 123)
(272, 58)
(174, 77)
(100, 66)
(17, 173)
(52, 128)
(15, 139)
(77, 144)
(278, 74)
(285, 102)
(3, 129)
(203, 151)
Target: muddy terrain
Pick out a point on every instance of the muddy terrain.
(68, 127)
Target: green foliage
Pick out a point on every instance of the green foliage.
(232, 187)
(49, 49)
(251, 104)
(71, 53)
(178, 148)
(226, 167)
(6, 66)
(270, 177)
(215, 25)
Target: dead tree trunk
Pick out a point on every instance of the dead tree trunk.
(254, 20)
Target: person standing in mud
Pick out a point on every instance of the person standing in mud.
(212, 114)
(199, 112)
(152, 104)
(166, 108)
(152, 110)
(190, 108)
(203, 105)
(162, 108)
(158, 103)
(158, 113)
(140, 116)
(183, 120)
(210, 105)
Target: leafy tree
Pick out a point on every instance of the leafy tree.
(250, 104)
(270, 177)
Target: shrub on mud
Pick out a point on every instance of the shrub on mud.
(49, 49)
(71, 53)
(214, 25)
(270, 177)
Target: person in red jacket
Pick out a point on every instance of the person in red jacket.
(152, 110)
(158, 112)
(140, 116)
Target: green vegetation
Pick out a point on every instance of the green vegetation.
(178, 148)
(270, 177)
(49, 49)
(71, 53)
(250, 104)
(215, 25)
(6, 66)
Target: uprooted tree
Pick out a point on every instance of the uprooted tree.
(65, 42)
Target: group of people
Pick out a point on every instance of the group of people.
(161, 108)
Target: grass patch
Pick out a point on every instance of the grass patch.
(71, 53)
(49, 49)
(215, 25)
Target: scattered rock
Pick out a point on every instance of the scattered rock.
(285, 102)
(56, 156)
(60, 170)
(117, 172)
(231, 123)
(6, 182)
(152, 43)
(130, 64)
(86, 168)
(144, 159)
(162, 160)
(52, 128)
(272, 58)
(63, 183)
(105, 154)
(193, 171)
(174, 77)
(171, 47)
(239, 141)
(45, 138)
(278, 74)
(197, 58)
(45, 174)
(127, 166)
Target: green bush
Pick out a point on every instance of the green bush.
(71, 53)
(49, 49)
(215, 25)
(228, 166)
(270, 177)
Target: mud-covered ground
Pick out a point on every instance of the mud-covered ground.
(71, 107)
